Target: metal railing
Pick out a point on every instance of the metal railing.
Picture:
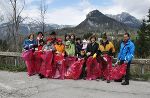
(141, 62)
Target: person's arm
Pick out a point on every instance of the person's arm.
(88, 48)
(73, 49)
(96, 50)
(35, 43)
(88, 52)
(112, 49)
(43, 47)
(25, 45)
(131, 52)
(53, 48)
(119, 54)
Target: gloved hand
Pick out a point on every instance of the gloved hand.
(89, 53)
(31, 46)
(126, 62)
(94, 56)
(118, 62)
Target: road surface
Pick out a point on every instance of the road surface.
(19, 85)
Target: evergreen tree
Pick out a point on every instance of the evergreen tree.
(143, 42)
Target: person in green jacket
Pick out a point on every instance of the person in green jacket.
(69, 48)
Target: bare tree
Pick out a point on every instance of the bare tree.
(1, 18)
(15, 19)
(43, 10)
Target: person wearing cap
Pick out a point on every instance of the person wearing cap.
(69, 49)
(59, 46)
(49, 46)
(105, 48)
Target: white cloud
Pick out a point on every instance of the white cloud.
(67, 15)
(138, 8)
(73, 15)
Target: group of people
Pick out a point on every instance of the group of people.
(76, 58)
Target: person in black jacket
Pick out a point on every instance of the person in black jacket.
(92, 47)
(79, 46)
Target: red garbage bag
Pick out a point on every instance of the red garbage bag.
(69, 61)
(75, 70)
(107, 69)
(38, 60)
(46, 67)
(28, 57)
(118, 71)
(93, 69)
(58, 66)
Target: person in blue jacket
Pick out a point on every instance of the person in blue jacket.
(30, 43)
(126, 55)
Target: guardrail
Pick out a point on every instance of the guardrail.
(140, 62)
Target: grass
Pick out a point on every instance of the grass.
(136, 73)
(142, 77)
(12, 68)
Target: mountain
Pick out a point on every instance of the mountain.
(127, 19)
(98, 22)
(29, 28)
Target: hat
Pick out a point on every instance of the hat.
(39, 33)
(104, 36)
(48, 39)
(59, 40)
(53, 33)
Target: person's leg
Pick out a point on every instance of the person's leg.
(127, 76)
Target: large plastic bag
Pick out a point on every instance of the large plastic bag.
(69, 61)
(93, 69)
(38, 60)
(46, 67)
(28, 57)
(74, 70)
(118, 71)
(107, 68)
(58, 66)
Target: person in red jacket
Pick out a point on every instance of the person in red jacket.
(52, 37)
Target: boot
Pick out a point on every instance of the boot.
(125, 83)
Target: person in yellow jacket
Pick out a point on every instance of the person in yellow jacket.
(105, 47)
(60, 47)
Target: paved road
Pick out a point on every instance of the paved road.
(18, 85)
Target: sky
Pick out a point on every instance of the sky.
(73, 12)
